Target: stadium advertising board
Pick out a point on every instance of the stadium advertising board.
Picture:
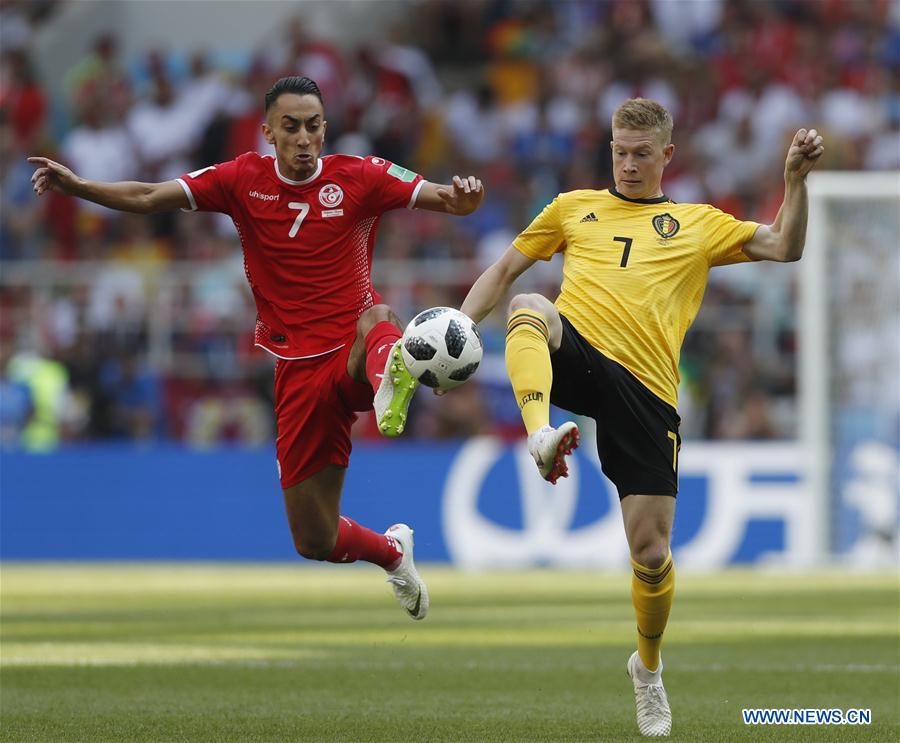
(478, 504)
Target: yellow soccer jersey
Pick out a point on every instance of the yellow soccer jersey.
(634, 272)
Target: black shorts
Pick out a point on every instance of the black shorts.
(637, 432)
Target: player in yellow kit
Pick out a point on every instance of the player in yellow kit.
(635, 269)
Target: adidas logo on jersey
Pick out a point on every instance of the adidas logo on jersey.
(589, 218)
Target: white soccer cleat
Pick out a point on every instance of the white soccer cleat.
(549, 446)
(409, 588)
(654, 718)
(394, 394)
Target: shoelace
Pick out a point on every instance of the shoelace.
(654, 700)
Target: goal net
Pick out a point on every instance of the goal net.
(850, 362)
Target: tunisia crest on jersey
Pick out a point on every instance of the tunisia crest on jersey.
(331, 195)
(666, 225)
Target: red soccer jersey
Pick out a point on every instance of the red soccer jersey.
(307, 244)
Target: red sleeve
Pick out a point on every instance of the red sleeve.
(209, 189)
(390, 186)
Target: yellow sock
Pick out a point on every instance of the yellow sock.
(528, 366)
(652, 590)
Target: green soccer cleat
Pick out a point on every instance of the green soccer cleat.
(394, 394)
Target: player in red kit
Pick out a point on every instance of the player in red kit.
(307, 227)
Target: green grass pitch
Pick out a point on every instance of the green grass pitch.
(323, 653)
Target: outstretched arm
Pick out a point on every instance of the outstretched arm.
(126, 196)
(461, 198)
(493, 284)
(784, 239)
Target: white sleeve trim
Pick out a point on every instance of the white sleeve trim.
(187, 190)
(415, 193)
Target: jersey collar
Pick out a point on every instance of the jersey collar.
(656, 200)
(303, 182)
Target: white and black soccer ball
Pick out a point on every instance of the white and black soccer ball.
(442, 347)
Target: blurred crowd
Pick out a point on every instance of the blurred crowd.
(140, 328)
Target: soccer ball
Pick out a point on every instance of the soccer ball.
(441, 347)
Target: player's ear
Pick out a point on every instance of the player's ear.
(668, 151)
(268, 133)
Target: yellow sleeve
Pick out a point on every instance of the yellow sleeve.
(544, 236)
(725, 237)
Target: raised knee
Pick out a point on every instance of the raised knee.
(528, 302)
(372, 316)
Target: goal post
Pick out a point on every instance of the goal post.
(849, 359)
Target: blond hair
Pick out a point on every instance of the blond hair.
(642, 114)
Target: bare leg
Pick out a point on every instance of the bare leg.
(648, 526)
(321, 533)
(313, 510)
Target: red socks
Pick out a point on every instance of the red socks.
(356, 542)
(379, 342)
